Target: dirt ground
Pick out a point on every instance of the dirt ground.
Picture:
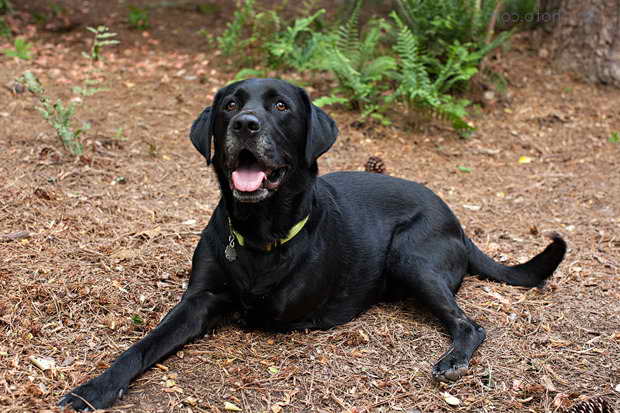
(107, 239)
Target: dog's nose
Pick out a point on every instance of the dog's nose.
(246, 122)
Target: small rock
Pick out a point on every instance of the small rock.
(489, 96)
(16, 88)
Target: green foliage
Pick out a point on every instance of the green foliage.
(442, 22)
(297, 45)
(21, 51)
(138, 18)
(5, 6)
(614, 138)
(208, 9)
(103, 37)
(248, 73)
(136, 319)
(358, 65)
(56, 9)
(231, 40)
(521, 12)
(330, 100)
(88, 89)
(428, 54)
(58, 115)
(416, 87)
(5, 30)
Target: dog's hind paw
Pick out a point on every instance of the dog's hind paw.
(450, 367)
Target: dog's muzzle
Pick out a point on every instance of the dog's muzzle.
(252, 178)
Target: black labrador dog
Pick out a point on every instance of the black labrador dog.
(288, 250)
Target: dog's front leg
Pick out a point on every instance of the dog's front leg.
(193, 316)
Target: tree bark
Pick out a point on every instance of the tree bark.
(585, 37)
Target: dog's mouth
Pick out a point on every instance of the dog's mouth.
(252, 181)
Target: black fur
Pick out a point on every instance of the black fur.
(368, 237)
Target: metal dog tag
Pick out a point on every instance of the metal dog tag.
(230, 253)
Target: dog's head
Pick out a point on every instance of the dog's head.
(265, 132)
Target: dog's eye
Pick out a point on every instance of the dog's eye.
(232, 105)
(281, 106)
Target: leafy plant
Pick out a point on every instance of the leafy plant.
(136, 319)
(5, 30)
(330, 100)
(58, 115)
(297, 45)
(138, 18)
(248, 73)
(428, 54)
(418, 90)
(437, 23)
(102, 38)
(88, 89)
(358, 66)
(21, 51)
(230, 40)
(5, 6)
(614, 138)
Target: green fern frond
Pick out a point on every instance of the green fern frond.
(414, 80)
(348, 40)
(329, 100)
(377, 69)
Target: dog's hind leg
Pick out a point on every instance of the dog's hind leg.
(432, 276)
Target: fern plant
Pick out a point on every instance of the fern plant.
(102, 38)
(357, 65)
(437, 23)
(58, 115)
(231, 40)
(21, 50)
(296, 46)
(418, 90)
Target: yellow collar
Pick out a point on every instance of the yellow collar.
(291, 234)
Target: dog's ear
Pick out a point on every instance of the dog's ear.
(322, 130)
(202, 132)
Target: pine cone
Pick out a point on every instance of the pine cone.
(594, 405)
(375, 164)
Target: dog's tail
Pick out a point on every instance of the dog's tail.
(533, 273)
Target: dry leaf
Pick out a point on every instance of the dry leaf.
(231, 407)
(192, 401)
(472, 207)
(547, 383)
(450, 399)
(43, 363)
(124, 254)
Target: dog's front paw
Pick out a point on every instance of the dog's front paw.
(451, 366)
(98, 393)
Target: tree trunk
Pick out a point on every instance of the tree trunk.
(585, 37)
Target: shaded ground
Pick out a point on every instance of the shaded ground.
(111, 238)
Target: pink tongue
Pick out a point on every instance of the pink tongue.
(247, 180)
